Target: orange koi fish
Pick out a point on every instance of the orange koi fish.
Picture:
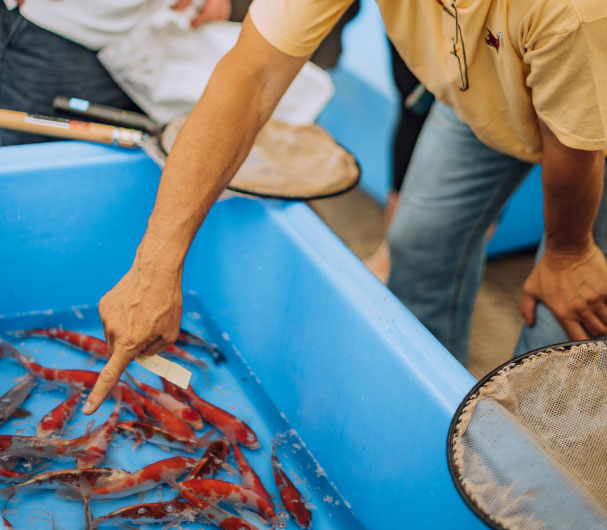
(178, 408)
(290, 495)
(231, 426)
(55, 420)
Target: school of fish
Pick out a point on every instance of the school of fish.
(167, 417)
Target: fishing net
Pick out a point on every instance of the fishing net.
(528, 446)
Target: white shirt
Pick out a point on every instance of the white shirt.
(92, 23)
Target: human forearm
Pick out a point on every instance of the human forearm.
(142, 313)
(571, 275)
(572, 183)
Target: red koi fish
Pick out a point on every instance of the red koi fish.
(231, 426)
(212, 459)
(85, 378)
(75, 378)
(97, 445)
(249, 478)
(164, 471)
(12, 400)
(144, 432)
(186, 337)
(128, 397)
(152, 513)
(216, 491)
(66, 477)
(98, 347)
(218, 516)
(166, 420)
(55, 420)
(290, 495)
(178, 408)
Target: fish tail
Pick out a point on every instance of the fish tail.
(8, 350)
(205, 439)
(8, 493)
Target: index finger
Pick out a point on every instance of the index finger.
(108, 377)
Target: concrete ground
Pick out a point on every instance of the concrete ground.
(358, 222)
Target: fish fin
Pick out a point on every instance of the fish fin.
(205, 439)
(231, 470)
(22, 333)
(71, 494)
(141, 497)
(8, 493)
(21, 413)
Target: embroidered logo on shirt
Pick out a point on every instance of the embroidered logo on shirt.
(493, 41)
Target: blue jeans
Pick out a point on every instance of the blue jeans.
(37, 65)
(455, 188)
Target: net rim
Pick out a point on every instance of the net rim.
(456, 476)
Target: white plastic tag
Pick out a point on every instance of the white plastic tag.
(173, 372)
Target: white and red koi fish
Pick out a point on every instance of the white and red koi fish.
(55, 420)
(231, 426)
(66, 478)
(12, 400)
(290, 495)
(152, 513)
(212, 459)
(186, 337)
(249, 478)
(216, 491)
(216, 515)
(98, 347)
(164, 471)
(144, 432)
(177, 408)
(166, 420)
(96, 447)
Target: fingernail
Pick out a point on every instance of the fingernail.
(87, 409)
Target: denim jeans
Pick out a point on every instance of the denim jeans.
(37, 65)
(455, 188)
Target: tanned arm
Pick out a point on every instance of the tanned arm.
(142, 313)
(571, 276)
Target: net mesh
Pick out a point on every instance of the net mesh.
(529, 448)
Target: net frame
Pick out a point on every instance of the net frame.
(454, 471)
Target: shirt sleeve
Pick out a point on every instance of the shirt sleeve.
(296, 27)
(568, 80)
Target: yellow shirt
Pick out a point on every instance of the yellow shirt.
(524, 59)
